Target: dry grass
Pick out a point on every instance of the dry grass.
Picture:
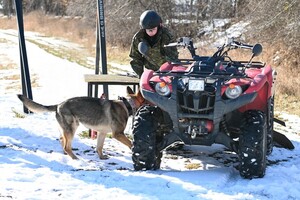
(286, 62)
(12, 77)
(193, 166)
(75, 30)
(72, 29)
(7, 66)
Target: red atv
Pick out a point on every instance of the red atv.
(207, 100)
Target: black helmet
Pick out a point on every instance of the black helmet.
(150, 19)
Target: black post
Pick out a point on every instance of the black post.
(101, 40)
(97, 56)
(25, 75)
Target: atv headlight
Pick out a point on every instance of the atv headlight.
(233, 91)
(162, 89)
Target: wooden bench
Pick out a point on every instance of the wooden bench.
(94, 80)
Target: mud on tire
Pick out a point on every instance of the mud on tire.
(253, 145)
(145, 155)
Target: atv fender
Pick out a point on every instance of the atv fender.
(233, 104)
(144, 81)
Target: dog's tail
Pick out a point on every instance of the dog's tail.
(36, 107)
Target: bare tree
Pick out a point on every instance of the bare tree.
(8, 9)
(281, 18)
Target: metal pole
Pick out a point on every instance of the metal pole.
(97, 56)
(101, 33)
(25, 75)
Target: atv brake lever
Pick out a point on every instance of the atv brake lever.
(174, 44)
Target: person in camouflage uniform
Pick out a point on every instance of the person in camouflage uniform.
(156, 36)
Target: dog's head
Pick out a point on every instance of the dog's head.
(133, 101)
(136, 100)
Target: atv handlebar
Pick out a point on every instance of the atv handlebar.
(231, 44)
(221, 52)
(182, 42)
(219, 56)
(241, 45)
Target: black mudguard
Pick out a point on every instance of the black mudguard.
(280, 140)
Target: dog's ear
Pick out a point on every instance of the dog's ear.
(103, 96)
(129, 90)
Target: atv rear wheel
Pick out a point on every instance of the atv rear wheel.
(270, 125)
(146, 136)
(253, 145)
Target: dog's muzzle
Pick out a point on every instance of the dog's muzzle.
(127, 105)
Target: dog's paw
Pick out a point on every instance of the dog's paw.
(103, 157)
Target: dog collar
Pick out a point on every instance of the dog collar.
(127, 105)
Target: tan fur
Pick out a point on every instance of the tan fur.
(102, 115)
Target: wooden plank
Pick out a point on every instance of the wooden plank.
(110, 78)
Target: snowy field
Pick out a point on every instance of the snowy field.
(32, 165)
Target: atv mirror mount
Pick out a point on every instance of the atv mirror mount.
(143, 48)
(229, 41)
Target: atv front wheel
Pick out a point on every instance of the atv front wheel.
(253, 145)
(146, 136)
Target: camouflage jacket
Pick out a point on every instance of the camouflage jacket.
(157, 52)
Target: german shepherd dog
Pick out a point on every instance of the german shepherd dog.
(99, 114)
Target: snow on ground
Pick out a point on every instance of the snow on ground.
(215, 32)
(32, 165)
